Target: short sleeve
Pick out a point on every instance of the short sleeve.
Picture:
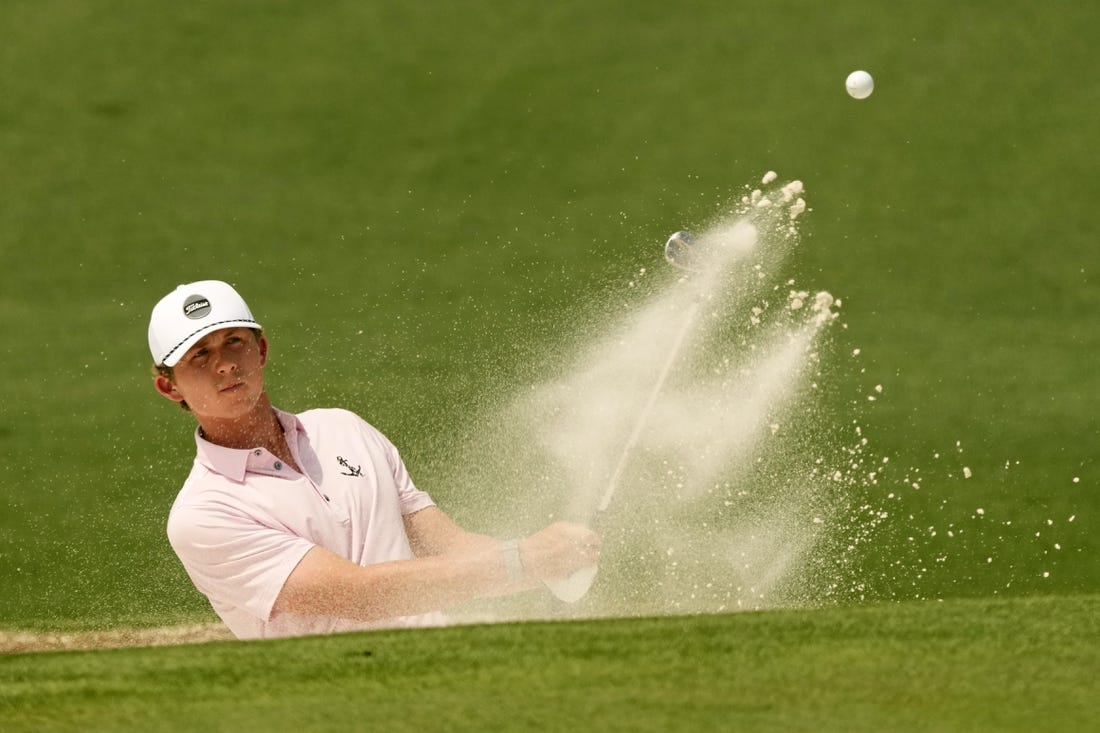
(412, 499)
(232, 557)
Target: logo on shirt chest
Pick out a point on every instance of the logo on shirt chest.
(349, 470)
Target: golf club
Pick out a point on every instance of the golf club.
(680, 252)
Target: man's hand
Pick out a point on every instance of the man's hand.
(553, 552)
(559, 550)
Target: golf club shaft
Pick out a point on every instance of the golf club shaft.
(643, 416)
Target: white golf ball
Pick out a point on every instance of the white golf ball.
(859, 84)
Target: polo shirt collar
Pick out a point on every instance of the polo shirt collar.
(234, 463)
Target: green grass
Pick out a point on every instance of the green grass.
(1008, 665)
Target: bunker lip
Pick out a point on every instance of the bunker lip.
(28, 642)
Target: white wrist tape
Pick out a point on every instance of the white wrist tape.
(513, 563)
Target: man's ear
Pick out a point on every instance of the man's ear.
(263, 351)
(165, 386)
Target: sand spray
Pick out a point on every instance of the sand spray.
(683, 430)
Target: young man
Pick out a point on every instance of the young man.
(310, 523)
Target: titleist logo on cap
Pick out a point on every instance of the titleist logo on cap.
(196, 307)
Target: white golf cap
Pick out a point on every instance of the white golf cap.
(190, 312)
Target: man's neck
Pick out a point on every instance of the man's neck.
(259, 429)
(256, 429)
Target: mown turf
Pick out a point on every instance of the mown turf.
(1009, 665)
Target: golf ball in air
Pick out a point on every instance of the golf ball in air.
(859, 84)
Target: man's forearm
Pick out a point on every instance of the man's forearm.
(464, 567)
(432, 532)
(326, 584)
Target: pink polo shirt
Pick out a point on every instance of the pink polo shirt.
(243, 520)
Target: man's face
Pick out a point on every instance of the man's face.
(221, 376)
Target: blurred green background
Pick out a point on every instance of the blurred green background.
(422, 200)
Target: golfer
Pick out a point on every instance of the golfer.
(310, 523)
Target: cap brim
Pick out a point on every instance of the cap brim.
(177, 352)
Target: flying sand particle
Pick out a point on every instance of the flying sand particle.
(791, 190)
